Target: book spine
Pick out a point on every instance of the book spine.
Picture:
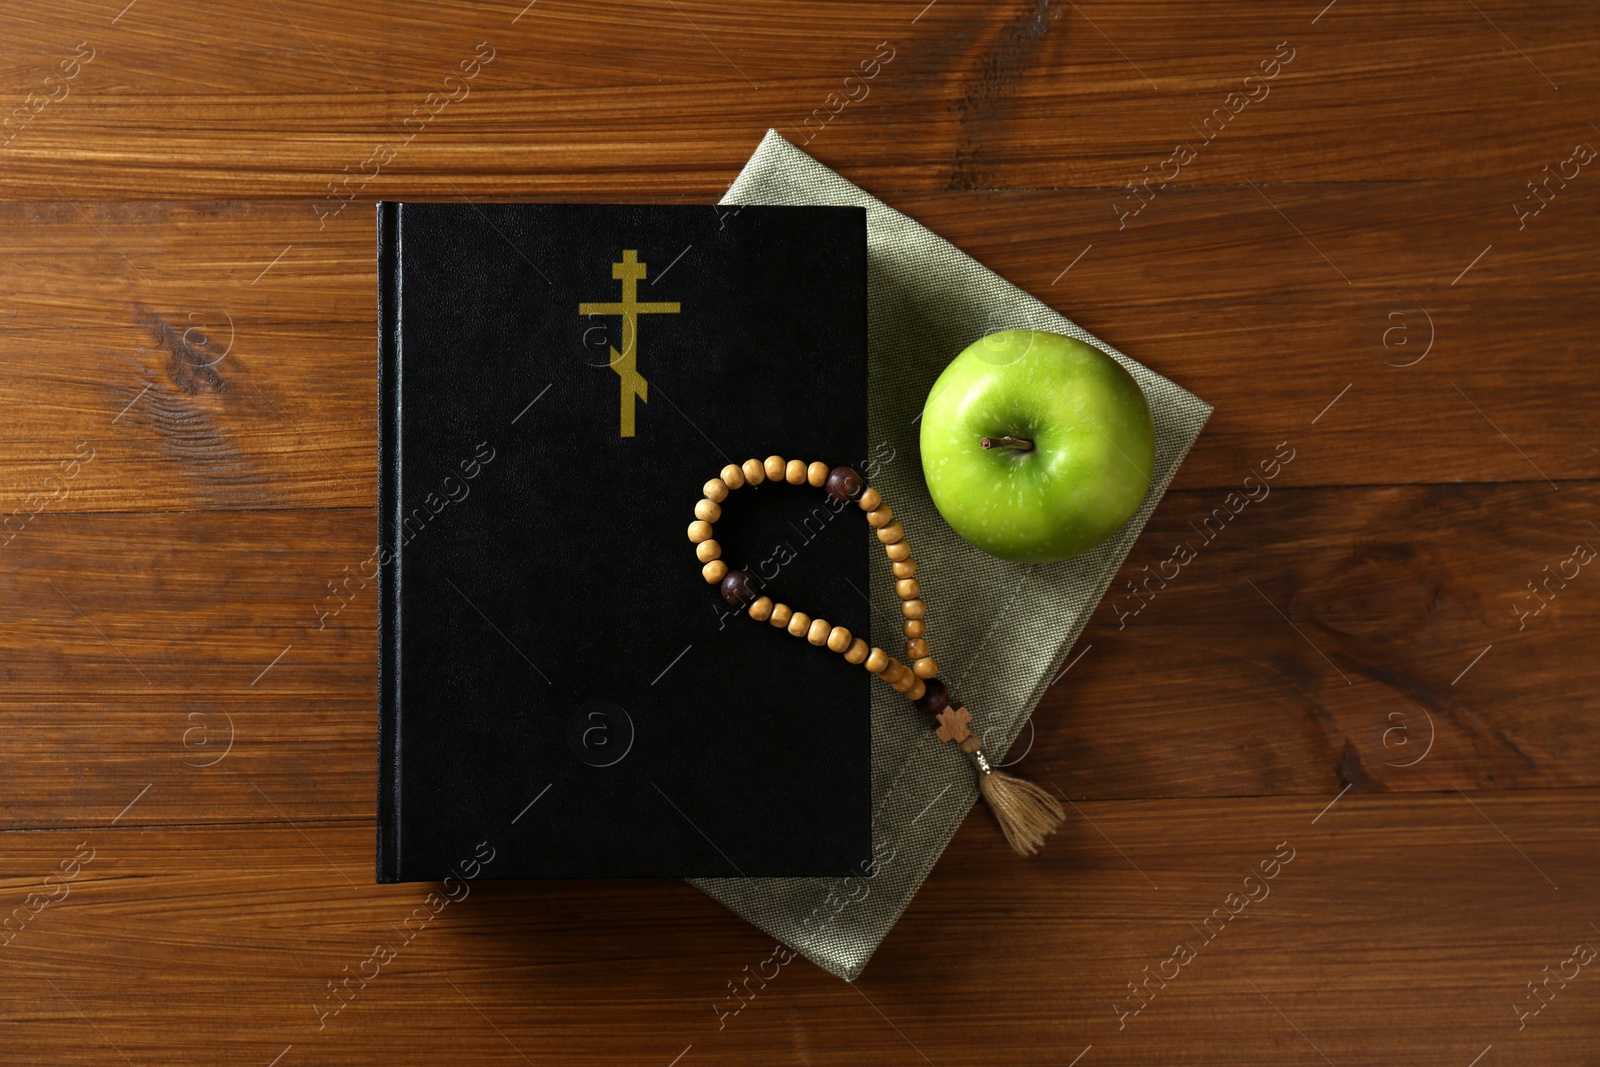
(388, 850)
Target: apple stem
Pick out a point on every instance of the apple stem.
(1021, 444)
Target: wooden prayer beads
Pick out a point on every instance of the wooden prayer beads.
(740, 589)
(1026, 812)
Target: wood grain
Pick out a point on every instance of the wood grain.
(1349, 666)
(649, 98)
(159, 636)
(216, 945)
(241, 371)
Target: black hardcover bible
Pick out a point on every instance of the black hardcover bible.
(557, 681)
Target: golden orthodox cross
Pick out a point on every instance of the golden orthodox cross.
(626, 363)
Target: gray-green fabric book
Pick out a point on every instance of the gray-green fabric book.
(1005, 629)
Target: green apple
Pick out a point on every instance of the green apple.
(1036, 446)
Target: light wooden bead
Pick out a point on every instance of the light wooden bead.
(761, 610)
(708, 510)
(897, 551)
(907, 589)
(817, 474)
(916, 648)
(781, 613)
(858, 651)
(877, 660)
(880, 516)
(799, 624)
(915, 628)
(869, 500)
(699, 530)
(905, 682)
(795, 472)
(820, 629)
(714, 571)
(754, 472)
(716, 490)
(706, 551)
(891, 534)
(733, 476)
(905, 568)
(838, 639)
(894, 672)
(926, 667)
(774, 467)
(913, 609)
(917, 690)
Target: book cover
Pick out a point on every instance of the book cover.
(559, 688)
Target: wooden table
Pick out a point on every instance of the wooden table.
(1375, 678)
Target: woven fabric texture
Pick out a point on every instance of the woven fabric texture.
(1000, 631)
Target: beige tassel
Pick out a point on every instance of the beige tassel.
(1025, 811)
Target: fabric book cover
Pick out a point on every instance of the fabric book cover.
(559, 687)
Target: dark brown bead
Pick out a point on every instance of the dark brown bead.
(936, 699)
(845, 484)
(739, 588)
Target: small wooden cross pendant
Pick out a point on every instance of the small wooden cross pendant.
(953, 724)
